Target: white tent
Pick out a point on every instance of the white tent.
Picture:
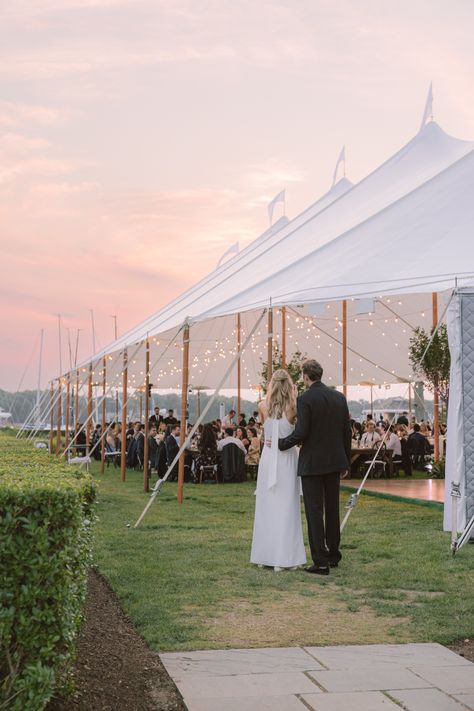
(387, 235)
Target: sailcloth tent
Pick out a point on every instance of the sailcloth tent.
(396, 236)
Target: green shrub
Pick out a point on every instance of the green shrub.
(46, 510)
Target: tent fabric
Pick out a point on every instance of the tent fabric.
(386, 235)
(454, 443)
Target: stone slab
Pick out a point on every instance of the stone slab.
(199, 686)
(250, 703)
(368, 679)
(401, 655)
(355, 701)
(238, 661)
(426, 700)
(466, 699)
(453, 680)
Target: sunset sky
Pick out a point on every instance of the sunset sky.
(140, 138)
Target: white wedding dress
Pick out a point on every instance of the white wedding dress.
(277, 533)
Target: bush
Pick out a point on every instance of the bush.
(46, 510)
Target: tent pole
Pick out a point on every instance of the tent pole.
(76, 412)
(434, 297)
(344, 347)
(58, 431)
(104, 385)
(68, 397)
(159, 485)
(51, 418)
(89, 410)
(147, 415)
(123, 448)
(184, 399)
(238, 370)
(269, 346)
(141, 408)
(283, 336)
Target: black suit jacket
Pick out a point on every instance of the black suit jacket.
(324, 431)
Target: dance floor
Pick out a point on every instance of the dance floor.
(423, 489)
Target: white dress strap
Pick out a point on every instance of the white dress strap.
(272, 473)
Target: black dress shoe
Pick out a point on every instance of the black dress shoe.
(333, 563)
(318, 569)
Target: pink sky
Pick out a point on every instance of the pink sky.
(140, 138)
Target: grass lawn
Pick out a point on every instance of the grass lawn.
(185, 580)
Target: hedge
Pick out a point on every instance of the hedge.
(46, 513)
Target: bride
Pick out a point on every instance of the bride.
(277, 533)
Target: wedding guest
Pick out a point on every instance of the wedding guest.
(170, 419)
(392, 442)
(230, 439)
(156, 418)
(153, 447)
(207, 447)
(403, 419)
(371, 437)
(242, 420)
(253, 453)
(229, 420)
(357, 432)
(241, 433)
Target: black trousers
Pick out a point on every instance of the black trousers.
(321, 503)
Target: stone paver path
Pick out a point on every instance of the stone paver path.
(379, 677)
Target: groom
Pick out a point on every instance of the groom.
(323, 429)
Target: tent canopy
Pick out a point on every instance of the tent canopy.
(404, 229)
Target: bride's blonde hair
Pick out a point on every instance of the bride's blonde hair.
(280, 394)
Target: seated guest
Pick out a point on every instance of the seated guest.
(111, 439)
(253, 453)
(252, 422)
(230, 439)
(371, 437)
(392, 442)
(357, 432)
(229, 420)
(418, 446)
(255, 416)
(170, 419)
(406, 458)
(241, 433)
(207, 447)
(242, 420)
(403, 419)
(425, 430)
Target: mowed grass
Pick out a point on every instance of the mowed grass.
(185, 580)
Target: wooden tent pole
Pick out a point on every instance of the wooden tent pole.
(89, 410)
(104, 414)
(344, 347)
(76, 412)
(269, 346)
(68, 405)
(184, 398)
(283, 336)
(434, 299)
(123, 448)
(146, 486)
(238, 368)
(51, 418)
(141, 408)
(58, 431)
